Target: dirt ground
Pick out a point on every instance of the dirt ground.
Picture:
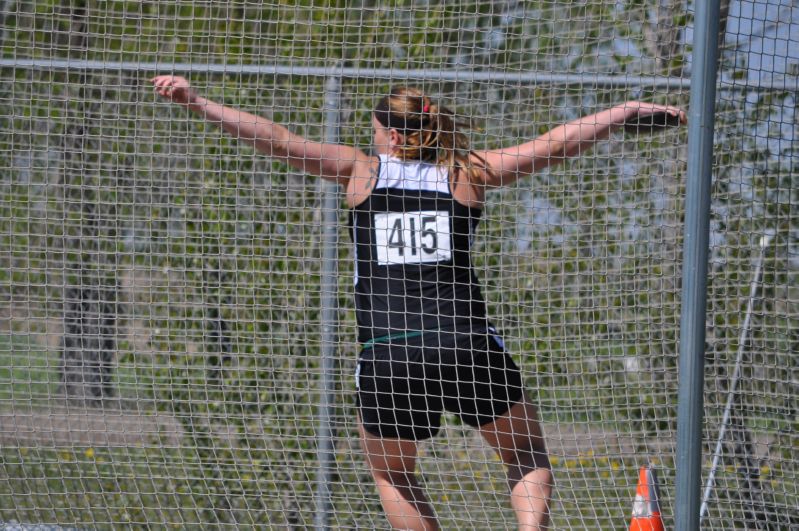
(66, 426)
(70, 426)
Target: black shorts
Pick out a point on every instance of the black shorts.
(405, 385)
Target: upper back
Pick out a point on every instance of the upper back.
(389, 172)
(412, 175)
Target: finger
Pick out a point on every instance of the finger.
(166, 88)
(679, 114)
(164, 81)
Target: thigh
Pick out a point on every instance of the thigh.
(517, 432)
(388, 455)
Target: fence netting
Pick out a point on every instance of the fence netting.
(161, 323)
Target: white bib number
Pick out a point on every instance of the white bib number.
(412, 237)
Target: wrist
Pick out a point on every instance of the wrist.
(195, 102)
(621, 113)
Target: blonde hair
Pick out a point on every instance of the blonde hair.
(431, 132)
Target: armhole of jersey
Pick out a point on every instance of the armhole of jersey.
(354, 232)
(496, 337)
(354, 221)
(450, 182)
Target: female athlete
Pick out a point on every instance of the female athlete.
(427, 343)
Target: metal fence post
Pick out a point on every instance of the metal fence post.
(329, 316)
(704, 60)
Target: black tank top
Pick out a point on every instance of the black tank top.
(413, 269)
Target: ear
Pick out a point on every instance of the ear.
(395, 138)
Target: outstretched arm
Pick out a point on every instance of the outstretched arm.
(331, 161)
(509, 164)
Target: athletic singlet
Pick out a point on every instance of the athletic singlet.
(413, 270)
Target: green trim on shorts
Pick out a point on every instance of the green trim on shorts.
(385, 339)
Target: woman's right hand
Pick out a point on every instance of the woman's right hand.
(642, 116)
(174, 88)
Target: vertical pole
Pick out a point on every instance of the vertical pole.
(704, 60)
(329, 317)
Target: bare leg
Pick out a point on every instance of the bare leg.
(517, 439)
(393, 464)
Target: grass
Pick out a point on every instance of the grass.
(96, 487)
(166, 488)
(28, 372)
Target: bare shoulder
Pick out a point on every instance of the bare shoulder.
(362, 180)
(479, 162)
(469, 184)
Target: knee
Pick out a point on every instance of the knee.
(531, 469)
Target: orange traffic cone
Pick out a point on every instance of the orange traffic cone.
(646, 509)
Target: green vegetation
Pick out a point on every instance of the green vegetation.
(28, 373)
(108, 487)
